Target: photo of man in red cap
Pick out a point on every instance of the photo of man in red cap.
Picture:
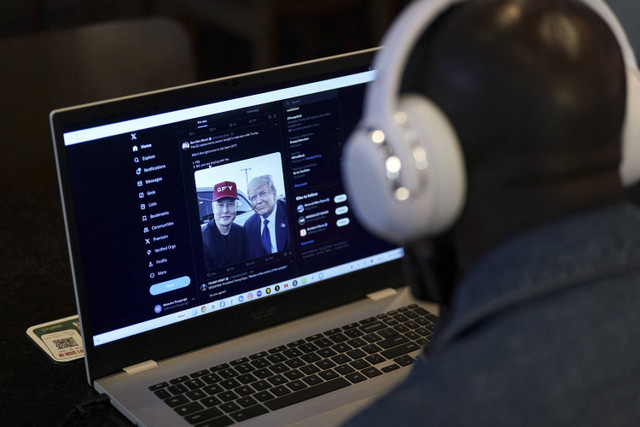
(224, 242)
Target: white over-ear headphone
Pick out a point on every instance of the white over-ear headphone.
(403, 165)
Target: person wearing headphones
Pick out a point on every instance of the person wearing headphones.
(537, 271)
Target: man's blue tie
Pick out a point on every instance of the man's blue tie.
(266, 238)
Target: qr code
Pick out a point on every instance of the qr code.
(64, 343)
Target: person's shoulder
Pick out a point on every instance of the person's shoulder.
(252, 220)
(209, 226)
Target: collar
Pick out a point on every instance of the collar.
(272, 215)
(597, 244)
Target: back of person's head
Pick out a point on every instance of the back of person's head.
(535, 93)
(535, 90)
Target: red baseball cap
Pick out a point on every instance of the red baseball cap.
(225, 189)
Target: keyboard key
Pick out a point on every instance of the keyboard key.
(159, 386)
(277, 349)
(341, 359)
(296, 385)
(260, 363)
(205, 415)
(263, 373)
(277, 358)
(326, 353)
(360, 364)
(344, 369)
(280, 390)
(342, 348)
(213, 389)
(277, 380)
(371, 338)
(315, 337)
(245, 368)
(188, 408)
(356, 354)
(356, 377)
(179, 380)
(353, 333)
(263, 396)
(310, 358)
(222, 421)
(227, 396)
(323, 342)
(390, 368)
(196, 394)
(210, 378)
(279, 368)
(200, 373)
(295, 363)
(162, 394)
(374, 359)
(210, 401)
(338, 338)
(312, 380)
(389, 332)
(247, 413)
(219, 367)
(239, 361)
(404, 360)
(229, 384)
(307, 393)
(400, 350)
(371, 372)
(261, 385)
(194, 384)
(309, 369)
(292, 352)
(357, 342)
(176, 400)
(259, 355)
(294, 374)
(227, 373)
(245, 390)
(307, 348)
(329, 374)
(246, 401)
(372, 327)
(295, 343)
(229, 407)
(371, 349)
(177, 389)
(325, 364)
(246, 378)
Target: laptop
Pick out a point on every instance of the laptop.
(178, 333)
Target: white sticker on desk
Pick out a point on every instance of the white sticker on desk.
(64, 345)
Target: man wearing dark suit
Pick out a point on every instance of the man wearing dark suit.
(268, 229)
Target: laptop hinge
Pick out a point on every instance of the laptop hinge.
(141, 367)
(385, 293)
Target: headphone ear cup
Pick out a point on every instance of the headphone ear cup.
(630, 165)
(432, 171)
(366, 184)
(440, 195)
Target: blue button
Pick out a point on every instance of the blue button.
(170, 285)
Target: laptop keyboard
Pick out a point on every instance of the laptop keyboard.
(303, 369)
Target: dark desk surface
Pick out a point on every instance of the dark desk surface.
(36, 288)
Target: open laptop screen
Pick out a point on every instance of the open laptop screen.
(152, 183)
